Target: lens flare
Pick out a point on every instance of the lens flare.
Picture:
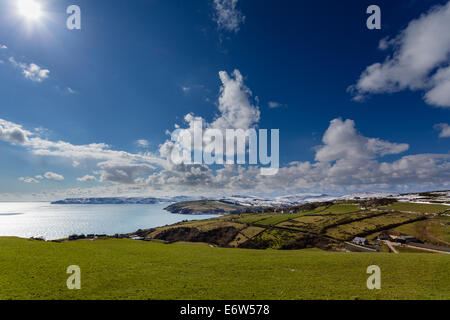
(30, 9)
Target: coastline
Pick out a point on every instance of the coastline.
(53, 222)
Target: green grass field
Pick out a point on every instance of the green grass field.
(418, 207)
(350, 230)
(271, 219)
(126, 269)
(342, 208)
(435, 230)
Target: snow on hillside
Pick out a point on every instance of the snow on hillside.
(302, 198)
(121, 200)
(281, 201)
(368, 195)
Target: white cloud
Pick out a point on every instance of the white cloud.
(28, 180)
(48, 176)
(85, 153)
(143, 143)
(444, 129)
(31, 71)
(420, 59)
(53, 176)
(346, 161)
(186, 89)
(3, 46)
(87, 178)
(236, 109)
(12, 132)
(342, 141)
(227, 16)
(70, 90)
(123, 172)
(274, 105)
(439, 94)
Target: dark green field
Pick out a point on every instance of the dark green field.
(126, 269)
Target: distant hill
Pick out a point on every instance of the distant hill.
(119, 200)
(438, 197)
(206, 207)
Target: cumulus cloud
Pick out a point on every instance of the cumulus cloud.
(28, 180)
(123, 172)
(346, 159)
(420, 61)
(53, 176)
(12, 132)
(115, 166)
(444, 129)
(227, 16)
(31, 71)
(48, 176)
(87, 178)
(439, 93)
(342, 141)
(3, 46)
(96, 152)
(236, 109)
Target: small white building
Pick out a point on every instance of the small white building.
(360, 241)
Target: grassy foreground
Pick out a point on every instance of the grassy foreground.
(126, 269)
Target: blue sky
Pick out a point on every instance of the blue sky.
(138, 67)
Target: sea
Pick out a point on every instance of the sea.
(51, 221)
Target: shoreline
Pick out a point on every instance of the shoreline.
(55, 222)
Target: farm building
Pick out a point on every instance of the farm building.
(406, 239)
(360, 241)
(385, 236)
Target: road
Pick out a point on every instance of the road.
(391, 246)
(426, 249)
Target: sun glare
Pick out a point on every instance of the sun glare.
(30, 9)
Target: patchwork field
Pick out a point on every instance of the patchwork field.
(367, 226)
(126, 269)
(435, 230)
(321, 225)
(342, 208)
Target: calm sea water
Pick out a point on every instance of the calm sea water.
(39, 219)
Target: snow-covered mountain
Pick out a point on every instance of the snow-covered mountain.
(281, 201)
(120, 200)
(302, 198)
(368, 195)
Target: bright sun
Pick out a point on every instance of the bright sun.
(30, 9)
